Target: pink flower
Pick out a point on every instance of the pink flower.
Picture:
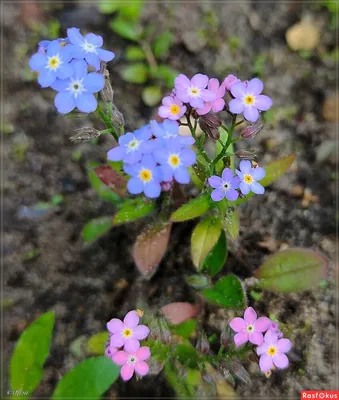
(229, 81)
(172, 108)
(193, 91)
(110, 351)
(132, 362)
(219, 103)
(250, 328)
(272, 352)
(127, 333)
(274, 327)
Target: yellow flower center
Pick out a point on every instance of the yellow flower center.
(194, 91)
(53, 62)
(63, 44)
(249, 99)
(174, 109)
(174, 160)
(127, 332)
(272, 351)
(248, 178)
(145, 175)
(132, 144)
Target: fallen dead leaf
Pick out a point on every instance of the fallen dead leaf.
(304, 35)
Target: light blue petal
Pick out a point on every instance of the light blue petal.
(65, 71)
(217, 194)
(44, 44)
(257, 188)
(148, 161)
(135, 186)
(188, 157)
(61, 84)
(53, 48)
(245, 166)
(64, 102)
(156, 128)
(131, 169)
(125, 139)
(244, 187)
(115, 154)
(187, 140)
(66, 53)
(171, 126)
(132, 157)
(38, 62)
(94, 82)
(143, 133)
(93, 60)
(215, 181)
(75, 36)
(167, 173)
(181, 175)
(96, 40)
(152, 190)
(46, 78)
(161, 156)
(258, 173)
(77, 52)
(79, 68)
(86, 102)
(148, 146)
(235, 182)
(232, 195)
(105, 55)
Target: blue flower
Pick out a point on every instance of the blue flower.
(249, 177)
(53, 64)
(224, 186)
(132, 146)
(88, 48)
(145, 177)
(174, 160)
(78, 90)
(169, 129)
(43, 44)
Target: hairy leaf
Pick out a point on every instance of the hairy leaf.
(132, 210)
(192, 209)
(135, 73)
(216, 259)
(96, 228)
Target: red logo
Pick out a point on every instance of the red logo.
(319, 394)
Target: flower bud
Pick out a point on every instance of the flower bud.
(154, 331)
(203, 345)
(165, 335)
(240, 372)
(207, 377)
(84, 134)
(248, 154)
(209, 123)
(155, 366)
(251, 131)
(226, 336)
(117, 119)
(107, 92)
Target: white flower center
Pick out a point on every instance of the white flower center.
(53, 63)
(89, 47)
(249, 99)
(132, 359)
(226, 186)
(250, 328)
(133, 145)
(76, 87)
(194, 91)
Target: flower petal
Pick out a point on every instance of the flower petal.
(163, 112)
(196, 102)
(258, 173)
(127, 372)
(120, 358)
(134, 186)
(141, 332)
(141, 368)
(245, 166)
(188, 157)
(182, 81)
(240, 338)
(217, 195)
(205, 109)
(131, 319)
(263, 102)
(227, 175)
(250, 316)
(37, 62)
(64, 102)
(280, 360)
(94, 82)
(262, 324)
(115, 325)
(262, 349)
(238, 89)
(93, 60)
(117, 340)
(75, 36)
(232, 195)
(86, 102)
(251, 113)
(238, 324)
(218, 105)
(143, 353)
(116, 154)
(65, 71)
(79, 68)
(46, 78)
(244, 188)
(215, 181)
(271, 337)
(265, 363)
(208, 95)
(256, 338)
(131, 345)
(152, 190)
(200, 81)
(94, 39)
(255, 86)
(236, 106)
(284, 345)
(105, 55)
(257, 188)
(181, 175)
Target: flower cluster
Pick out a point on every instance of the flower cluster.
(206, 95)
(245, 179)
(126, 334)
(271, 346)
(63, 65)
(154, 156)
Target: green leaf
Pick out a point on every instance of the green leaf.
(198, 281)
(166, 74)
(100, 188)
(185, 329)
(135, 73)
(179, 384)
(131, 10)
(204, 237)
(134, 53)
(216, 259)
(292, 270)
(151, 95)
(273, 171)
(230, 222)
(96, 344)
(187, 354)
(197, 176)
(108, 7)
(126, 28)
(30, 353)
(162, 44)
(132, 210)
(96, 228)
(227, 292)
(89, 379)
(192, 209)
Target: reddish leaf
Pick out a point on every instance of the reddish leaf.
(179, 312)
(112, 179)
(150, 247)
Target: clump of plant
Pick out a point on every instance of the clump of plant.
(151, 172)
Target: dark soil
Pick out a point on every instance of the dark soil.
(86, 286)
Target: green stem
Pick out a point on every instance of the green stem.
(197, 142)
(108, 123)
(240, 122)
(228, 142)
